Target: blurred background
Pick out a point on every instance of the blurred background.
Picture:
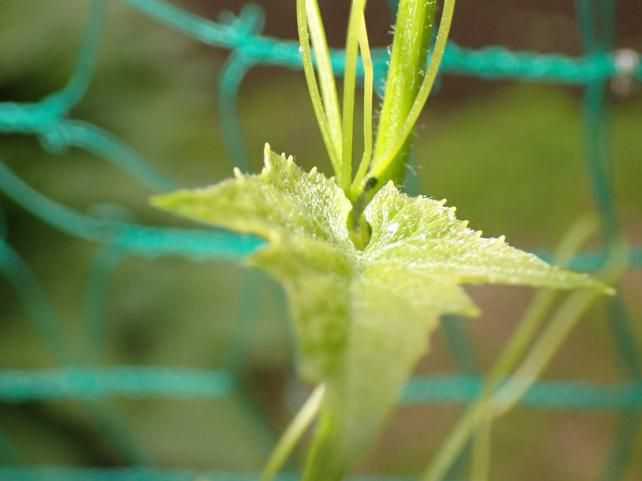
(510, 155)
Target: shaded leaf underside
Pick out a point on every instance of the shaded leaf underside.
(362, 317)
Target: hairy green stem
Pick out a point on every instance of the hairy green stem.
(397, 122)
(424, 91)
(413, 32)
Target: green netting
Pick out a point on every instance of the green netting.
(137, 383)
(51, 122)
(142, 474)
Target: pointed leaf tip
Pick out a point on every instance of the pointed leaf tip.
(355, 310)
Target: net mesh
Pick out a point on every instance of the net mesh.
(51, 122)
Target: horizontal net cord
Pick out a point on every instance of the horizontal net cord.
(42, 119)
(51, 473)
(32, 117)
(241, 34)
(131, 238)
(17, 386)
(542, 395)
(199, 244)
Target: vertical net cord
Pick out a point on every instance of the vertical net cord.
(236, 358)
(463, 353)
(105, 263)
(44, 317)
(249, 24)
(230, 79)
(598, 34)
(629, 425)
(106, 417)
(62, 102)
(598, 38)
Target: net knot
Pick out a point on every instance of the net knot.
(247, 25)
(54, 139)
(626, 62)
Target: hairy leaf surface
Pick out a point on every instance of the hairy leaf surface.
(362, 317)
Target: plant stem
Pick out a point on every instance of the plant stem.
(508, 359)
(395, 130)
(552, 338)
(480, 468)
(368, 83)
(293, 434)
(349, 85)
(542, 352)
(315, 95)
(413, 32)
(325, 71)
(570, 244)
(322, 462)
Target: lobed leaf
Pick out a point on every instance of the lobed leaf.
(362, 317)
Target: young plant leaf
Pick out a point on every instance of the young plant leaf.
(362, 316)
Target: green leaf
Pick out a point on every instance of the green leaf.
(362, 317)
(303, 216)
